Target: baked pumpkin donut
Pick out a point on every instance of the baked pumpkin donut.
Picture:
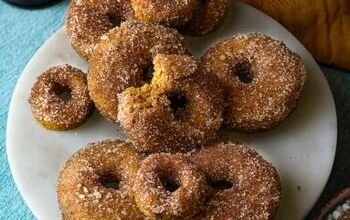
(242, 184)
(88, 20)
(171, 13)
(208, 16)
(96, 182)
(179, 110)
(124, 58)
(263, 80)
(169, 186)
(60, 99)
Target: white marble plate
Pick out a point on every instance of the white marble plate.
(302, 147)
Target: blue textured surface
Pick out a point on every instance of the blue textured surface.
(23, 31)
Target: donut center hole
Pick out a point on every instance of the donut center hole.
(244, 72)
(220, 184)
(200, 4)
(116, 20)
(63, 92)
(148, 73)
(169, 184)
(110, 182)
(178, 103)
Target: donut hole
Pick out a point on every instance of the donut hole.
(200, 4)
(220, 184)
(116, 20)
(169, 183)
(148, 73)
(178, 103)
(109, 181)
(63, 92)
(244, 72)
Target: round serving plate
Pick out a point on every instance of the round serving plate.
(302, 148)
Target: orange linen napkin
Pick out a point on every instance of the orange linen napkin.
(323, 26)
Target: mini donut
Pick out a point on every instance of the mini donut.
(170, 13)
(242, 184)
(60, 99)
(123, 59)
(208, 16)
(263, 80)
(96, 182)
(180, 110)
(88, 20)
(169, 186)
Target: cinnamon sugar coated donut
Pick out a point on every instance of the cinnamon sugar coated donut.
(170, 13)
(123, 58)
(169, 186)
(243, 185)
(88, 20)
(96, 182)
(179, 110)
(60, 99)
(263, 80)
(208, 16)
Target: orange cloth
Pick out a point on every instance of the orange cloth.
(322, 25)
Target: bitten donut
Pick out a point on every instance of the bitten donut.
(96, 182)
(243, 185)
(179, 110)
(124, 59)
(60, 99)
(88, 20)
(208, 16)
(263, 80)
(170, 13)
(169, 186)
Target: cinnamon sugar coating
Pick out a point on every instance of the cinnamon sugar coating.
(345, 215)
(83, 190)
(88, 20)
(121, 59)
(180, 109)
(243, 185)
(169, 186)
(171, 13)
(53, 111)
(208, 16)
(263, 80)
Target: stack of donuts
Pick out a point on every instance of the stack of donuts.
(171, 106)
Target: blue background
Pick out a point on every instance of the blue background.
(23, 31)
